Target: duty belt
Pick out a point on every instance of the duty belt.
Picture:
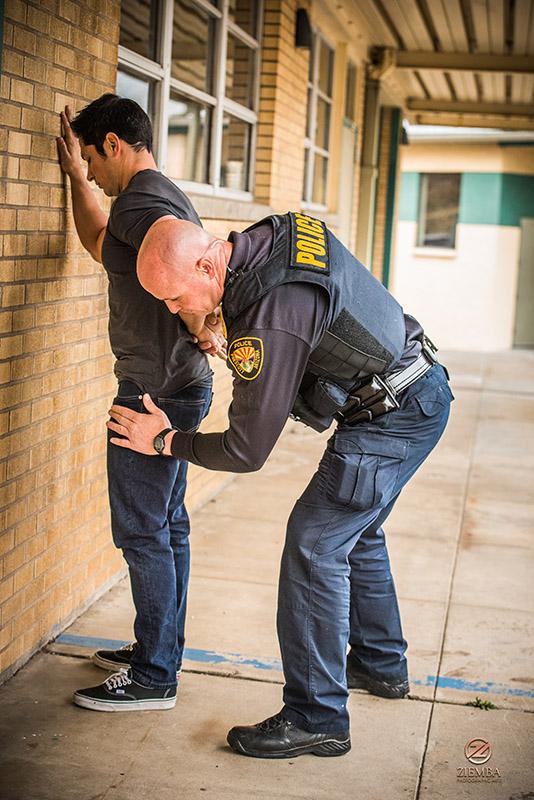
(378, 394)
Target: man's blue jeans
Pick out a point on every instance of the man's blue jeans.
(150, 524)
(336, 586)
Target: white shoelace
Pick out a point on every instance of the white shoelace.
(128, 647)
(117, 680)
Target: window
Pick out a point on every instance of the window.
(439, 200)
(193, 65)
(317, 141)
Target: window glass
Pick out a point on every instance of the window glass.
(134, 88)
(243, 13)
(305, 181)
(192, 45)
(312, 58)
(239, 72)
(188, 140)
(318, 117)
(326, 66)
(320, 169)
(308, 114)
(438, 209)
(236, 140)
(138, 26)
(322, 124)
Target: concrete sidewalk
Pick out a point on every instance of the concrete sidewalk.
(461, 541)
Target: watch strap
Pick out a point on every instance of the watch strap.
(161, 437)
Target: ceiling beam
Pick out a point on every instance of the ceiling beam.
(470, 107)
(472, 121)
(476, 62)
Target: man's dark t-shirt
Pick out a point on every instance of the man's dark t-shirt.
(153, 347)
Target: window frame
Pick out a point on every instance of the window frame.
(160, 76)
(310, 146)
(422, 213)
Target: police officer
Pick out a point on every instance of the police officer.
(313, 334)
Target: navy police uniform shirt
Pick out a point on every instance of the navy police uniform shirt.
(268, 349)
(269, 345)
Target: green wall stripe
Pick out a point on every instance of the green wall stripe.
(486, 198)
(409, 196)
(517, 198)
(480, 198)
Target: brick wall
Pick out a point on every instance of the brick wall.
(283, 100)
(56, 375)
(55, 365)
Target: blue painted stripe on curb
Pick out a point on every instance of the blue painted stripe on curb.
(92, 642)
(236, 660)
(191, 654)
(488, 687)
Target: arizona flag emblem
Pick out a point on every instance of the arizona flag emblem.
(246, 357)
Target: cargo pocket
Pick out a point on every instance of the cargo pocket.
(364, 469)
(433, 399)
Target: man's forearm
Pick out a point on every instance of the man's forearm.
(193, 322)
(89, 218)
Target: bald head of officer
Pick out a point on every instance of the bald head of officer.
(184, 266)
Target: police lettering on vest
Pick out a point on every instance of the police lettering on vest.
(309, 244)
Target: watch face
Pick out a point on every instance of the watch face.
(159, 441)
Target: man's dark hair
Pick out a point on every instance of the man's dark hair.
(113, 114)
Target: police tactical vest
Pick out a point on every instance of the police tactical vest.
(365, 331)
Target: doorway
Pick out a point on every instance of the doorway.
(524, 310)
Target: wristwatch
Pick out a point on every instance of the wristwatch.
(159, 440)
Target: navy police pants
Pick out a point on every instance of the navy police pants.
(336, 586)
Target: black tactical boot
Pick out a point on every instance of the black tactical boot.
(277, 737)
(358, 679)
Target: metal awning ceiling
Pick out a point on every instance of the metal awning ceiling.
(455, 62)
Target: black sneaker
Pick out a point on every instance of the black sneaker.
(121, 693)
(277, 737)
(358, 679)
(114, 660)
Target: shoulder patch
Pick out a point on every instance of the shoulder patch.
(309, 244)
(246, 357)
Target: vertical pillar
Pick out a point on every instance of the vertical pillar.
(391, 196)
(368, 172)
(385, 194)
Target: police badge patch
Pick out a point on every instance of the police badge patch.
(246, 357)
